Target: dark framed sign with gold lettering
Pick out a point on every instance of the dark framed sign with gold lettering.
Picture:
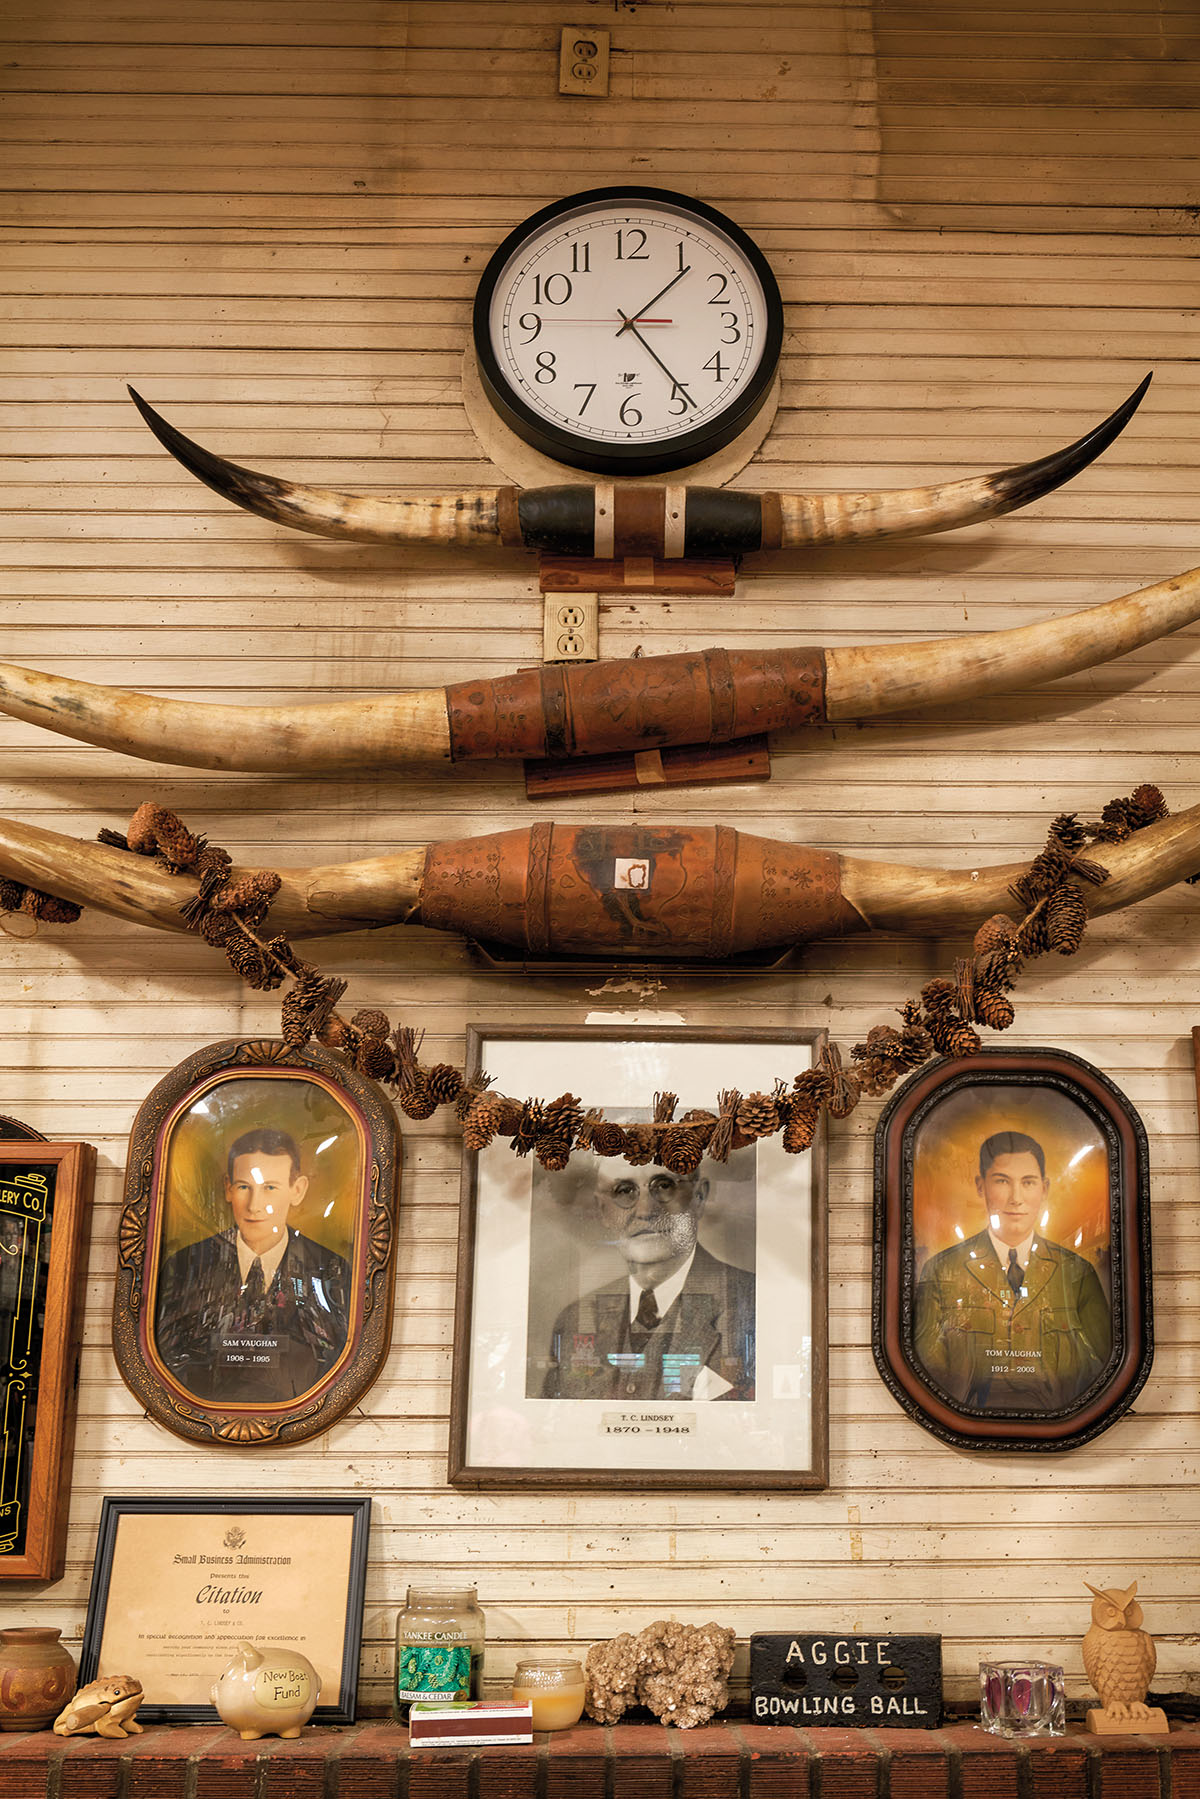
(253, 1298)
(45, 1203)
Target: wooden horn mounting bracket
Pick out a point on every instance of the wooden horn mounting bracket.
(502, 959)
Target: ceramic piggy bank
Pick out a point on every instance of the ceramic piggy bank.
(266, 1692)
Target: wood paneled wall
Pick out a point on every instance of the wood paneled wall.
(270, 216)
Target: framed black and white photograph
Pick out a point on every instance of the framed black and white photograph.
(254, 1283)
(626, 1326)
(178, 1583)
(1012, 1250)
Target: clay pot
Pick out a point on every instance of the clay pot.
(37, 1677)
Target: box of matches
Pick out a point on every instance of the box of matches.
(469, 1723)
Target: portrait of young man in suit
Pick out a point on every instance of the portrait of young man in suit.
(256, 1313)
(1009, 1319)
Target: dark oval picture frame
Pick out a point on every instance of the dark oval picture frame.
(300, 1153)
(989, 1333)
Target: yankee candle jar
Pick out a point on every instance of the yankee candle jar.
(554, 1686)
(439, 1646)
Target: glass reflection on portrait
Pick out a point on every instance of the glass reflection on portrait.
(253, 1295)
(642, 1282)
(1011, 1246)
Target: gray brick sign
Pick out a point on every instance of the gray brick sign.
(808, 1678)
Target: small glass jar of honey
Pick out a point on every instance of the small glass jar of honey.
(554, 1685)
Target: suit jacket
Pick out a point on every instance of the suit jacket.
(985, 1347)
(594, 1353)
(219, 1349)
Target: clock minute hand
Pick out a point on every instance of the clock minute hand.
(629, 325)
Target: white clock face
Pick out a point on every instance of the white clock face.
(630, 326)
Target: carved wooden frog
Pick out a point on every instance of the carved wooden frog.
(106, 1707)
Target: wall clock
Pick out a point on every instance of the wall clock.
(627, 330)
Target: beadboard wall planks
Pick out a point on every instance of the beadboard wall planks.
(270, 217)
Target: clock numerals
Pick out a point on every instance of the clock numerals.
(581, 258)
(627, 250)
(529, 321)
(546, 293)
(680, 394)
(588, 388)
(731, 320)
(718, 298)
(546, 371)
(630, 414)
(717, 366)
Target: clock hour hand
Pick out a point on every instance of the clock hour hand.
(677, 386)
(629, 318)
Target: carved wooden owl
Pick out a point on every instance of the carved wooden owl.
(1118, 1655)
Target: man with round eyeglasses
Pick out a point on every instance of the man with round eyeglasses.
(678, 1324)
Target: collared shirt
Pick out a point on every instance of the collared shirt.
(665, 1294)
(1024, 1250)
(270, 1259)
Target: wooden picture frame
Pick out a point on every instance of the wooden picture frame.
(1012, 1289)
(216, 1349)
(45, 1217)
(556, 1382)
(176, 1582)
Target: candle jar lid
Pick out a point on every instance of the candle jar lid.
(549, 1671)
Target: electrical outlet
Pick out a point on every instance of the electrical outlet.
(571, 627)
(583, 61)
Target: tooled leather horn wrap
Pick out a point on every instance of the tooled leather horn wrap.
(587, 709)
(627, 890)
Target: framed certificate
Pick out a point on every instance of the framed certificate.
(178, 1583)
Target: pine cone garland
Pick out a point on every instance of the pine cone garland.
(1031, 937)
(482, 1121)
(938, 995)
(608, 1139)
(563, 1117)
(553, 1153)
(251, 961)
(413, 1098)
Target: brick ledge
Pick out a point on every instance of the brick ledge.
(732, 1760)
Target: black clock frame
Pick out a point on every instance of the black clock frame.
(627, 459)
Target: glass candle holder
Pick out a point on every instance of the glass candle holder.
(439, 1646)
(554, 1685)
(1022, 1699)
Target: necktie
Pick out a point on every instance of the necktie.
(252, 1292)
(1016, 1274)
(647, 1312)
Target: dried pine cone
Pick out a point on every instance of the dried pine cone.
(939, 994)
(640, 1144)
(994, 1009)
(444, 1083)
(482, 1121)
(248, 896)
(801, 1126)
(609, 1139)
(563, 1117)
(681, 1149)
(999, 932)
(337, 1034)
(964, 1041)
(757, 1116)
(1066, 920)
(372, 1022)
(374, 1058)
(470, 1092)
(552, 1153)
(414, 1098)
(11, 895)
(1031, 938)
(251, 961)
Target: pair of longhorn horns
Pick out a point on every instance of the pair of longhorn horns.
(651, 702)
(626, 891)
(608, 521)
